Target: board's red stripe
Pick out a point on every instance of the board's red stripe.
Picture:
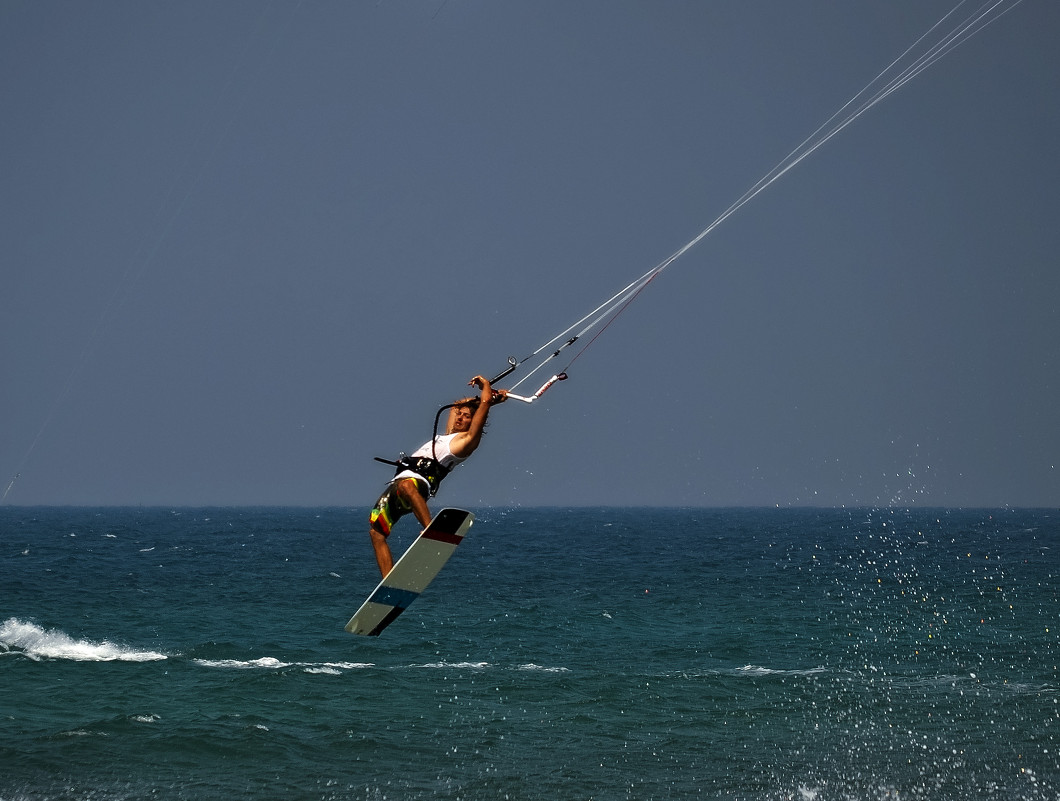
(443, 536)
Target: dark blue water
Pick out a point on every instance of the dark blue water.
(562, 654)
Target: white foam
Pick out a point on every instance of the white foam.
(271, 663)
(757, 670)
(333, 668)
(264, 662)
(542, 668)
(37, 643)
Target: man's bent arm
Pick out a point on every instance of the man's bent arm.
(463, 445)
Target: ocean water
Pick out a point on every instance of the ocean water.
(561, 654)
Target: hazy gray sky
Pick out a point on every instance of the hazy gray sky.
(247, 247)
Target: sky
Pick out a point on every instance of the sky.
(247, 247)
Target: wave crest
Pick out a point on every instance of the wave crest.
(37, 643)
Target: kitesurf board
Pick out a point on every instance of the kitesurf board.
(416, 568)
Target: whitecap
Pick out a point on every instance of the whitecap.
(264, 662)
(757, 670)
(462, 665)
(333, 669)
(542, 668)
(38, 643)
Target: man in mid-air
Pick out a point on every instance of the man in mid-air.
(419, 475)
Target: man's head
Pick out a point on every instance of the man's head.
(460, 415)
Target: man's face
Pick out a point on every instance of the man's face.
(462, 419)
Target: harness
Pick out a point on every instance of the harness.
(431, 470)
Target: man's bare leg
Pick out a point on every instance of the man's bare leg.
(410, 494)
(382, 550)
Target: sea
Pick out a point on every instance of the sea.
(562, 653)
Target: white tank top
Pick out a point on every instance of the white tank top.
(440, 451)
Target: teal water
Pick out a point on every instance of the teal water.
(562, 654)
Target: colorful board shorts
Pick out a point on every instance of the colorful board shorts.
(390, 508)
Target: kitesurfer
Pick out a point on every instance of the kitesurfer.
(418, 475)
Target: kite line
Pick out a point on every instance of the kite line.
(944, 36)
